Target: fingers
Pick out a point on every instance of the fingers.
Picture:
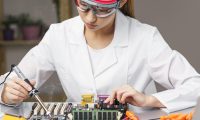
(113, 96)
(16, 90)
(107, 100)
(16, 93)
(17, 87)
(33, 82)
(15, 99)
(23, 84)
(125, 96)
(121, 94)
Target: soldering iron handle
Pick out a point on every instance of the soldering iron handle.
(27, 81)
(21, 75)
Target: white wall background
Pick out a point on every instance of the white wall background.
(178, 21)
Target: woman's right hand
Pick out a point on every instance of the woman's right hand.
(16, 91)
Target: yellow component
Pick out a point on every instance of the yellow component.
(87, 98)
(10, 117)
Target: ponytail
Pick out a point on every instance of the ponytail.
(128, 8)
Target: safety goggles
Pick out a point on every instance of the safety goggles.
(100, 10)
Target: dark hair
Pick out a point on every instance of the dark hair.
(128, 8)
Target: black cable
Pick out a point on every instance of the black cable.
(11, 69)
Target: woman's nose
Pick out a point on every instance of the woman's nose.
(91, 17)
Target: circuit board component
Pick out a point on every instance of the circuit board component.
(87, 99)
(86, 110)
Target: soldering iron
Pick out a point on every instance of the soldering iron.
(34, 92)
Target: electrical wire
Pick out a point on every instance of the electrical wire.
(11, 69)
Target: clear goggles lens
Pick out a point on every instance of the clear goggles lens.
(98, 9)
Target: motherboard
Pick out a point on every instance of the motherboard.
(88, 109)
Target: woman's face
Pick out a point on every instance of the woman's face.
(94, 23)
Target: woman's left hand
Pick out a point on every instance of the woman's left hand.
(129, 95)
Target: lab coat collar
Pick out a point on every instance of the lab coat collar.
(120, 35)
(121, 30)
(120, 40)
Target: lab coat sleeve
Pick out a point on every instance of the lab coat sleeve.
(37, 64)
(173, 71)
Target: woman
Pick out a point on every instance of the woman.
(106, 51)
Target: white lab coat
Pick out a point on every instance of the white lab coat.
(139, 54)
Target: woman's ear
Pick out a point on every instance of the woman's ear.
(122, 3)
